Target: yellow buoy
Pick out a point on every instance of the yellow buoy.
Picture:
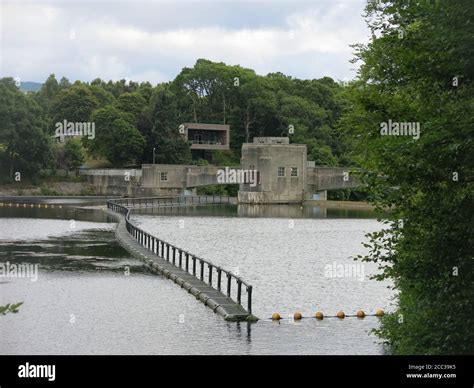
(297, 316)
(340, 314)
(319, 315)
(360, 314)
(276, 317)
(379, 313)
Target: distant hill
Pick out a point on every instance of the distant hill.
(29, 86)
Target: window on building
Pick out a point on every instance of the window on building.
(281, 171)
(163, 176)
(294, 171)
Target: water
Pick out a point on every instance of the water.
(91, 297)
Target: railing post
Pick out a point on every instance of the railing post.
(210, 274)
(168, 252)
(219, 278)
(194, 266)
(187, 262)
(249, 299)
(239, 291)
(180, 258)
(202, 269)
(229, 278)
(174, 255)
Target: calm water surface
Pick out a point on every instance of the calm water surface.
(91, 297)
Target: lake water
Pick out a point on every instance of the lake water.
(91, 297)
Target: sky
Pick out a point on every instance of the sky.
(153, 40)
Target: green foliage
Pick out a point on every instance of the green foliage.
(427, 183)
(321, 154)
(47, 191)
(225, 158)
(10, 308)
(132, 103)
(209, 92)
(24, 146)
(74, 104)
(159, 126)
(116, 138)
(228, 190)
(254, 105)
(73, 154)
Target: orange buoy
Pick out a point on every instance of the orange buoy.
(360, 314)
(340, 314)
(297, 316)
(379, 313)
(319, 315)
(276, 317)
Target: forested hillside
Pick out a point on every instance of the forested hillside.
(133, 118)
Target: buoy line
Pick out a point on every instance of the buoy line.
(297, 316)
(38, 205)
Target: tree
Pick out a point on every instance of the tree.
(74, 104)
(132, 103)
(160, 127)
(117, 138)
(24, 147)
(102, 96)
(48, 92)
(321, 154)
(64, 83)
(70, 156)
(418, 68)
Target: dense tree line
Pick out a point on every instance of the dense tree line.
(418, 68)
(133, 118)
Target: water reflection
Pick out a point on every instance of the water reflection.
(263, 211)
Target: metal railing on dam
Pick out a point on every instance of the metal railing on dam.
(219, 279)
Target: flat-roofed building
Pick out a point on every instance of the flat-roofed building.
(281, 171)
(207, 136)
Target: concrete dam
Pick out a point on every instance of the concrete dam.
(271, 171)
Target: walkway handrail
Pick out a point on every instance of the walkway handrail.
(177, 256)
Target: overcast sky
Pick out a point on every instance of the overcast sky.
(153, 40)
